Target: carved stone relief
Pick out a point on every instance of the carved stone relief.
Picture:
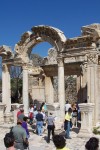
(6, 52)
(92, 59)
(84, 68)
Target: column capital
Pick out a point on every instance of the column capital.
(5, 67)
(60, 61)
(25, 67)
(86, 107)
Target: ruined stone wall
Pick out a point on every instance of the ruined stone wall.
(70, 89)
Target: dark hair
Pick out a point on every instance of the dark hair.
(42, 105)
(67, 102)
(51, 113)
(8, 140)
(25, 118)
(69, 110)
(92, 144)
(59, 141)
(22, 110)
(35, 109)
(19, 122)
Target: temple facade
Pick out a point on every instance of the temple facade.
(79, 56)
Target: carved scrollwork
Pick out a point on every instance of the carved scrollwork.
(92, 58)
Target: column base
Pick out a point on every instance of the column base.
(1, 118)
(8, 117)
(85, 133)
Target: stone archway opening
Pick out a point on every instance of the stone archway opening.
(41, 49)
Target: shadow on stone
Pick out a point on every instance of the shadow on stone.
(45, 138)
(62, 133)
(76, 130)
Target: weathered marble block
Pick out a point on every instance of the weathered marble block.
(86, 119)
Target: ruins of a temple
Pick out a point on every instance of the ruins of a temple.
(78, 56)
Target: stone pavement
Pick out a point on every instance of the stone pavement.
(39, 143)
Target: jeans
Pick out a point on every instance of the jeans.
(39, 127)
(68, 130)
(50, 129)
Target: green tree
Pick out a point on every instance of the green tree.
(16, 83)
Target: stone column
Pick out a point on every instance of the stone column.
(79, 88)
(90, 82)
(49, 90)
(6, 89)
(86, 119)
(25, 90)
(93, 92)
(6, 93)
(98, 103)
(97, 95)
(84, 82)
(61, 87)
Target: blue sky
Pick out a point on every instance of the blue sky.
(19, 16)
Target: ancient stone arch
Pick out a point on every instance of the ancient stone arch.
(39, 34)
